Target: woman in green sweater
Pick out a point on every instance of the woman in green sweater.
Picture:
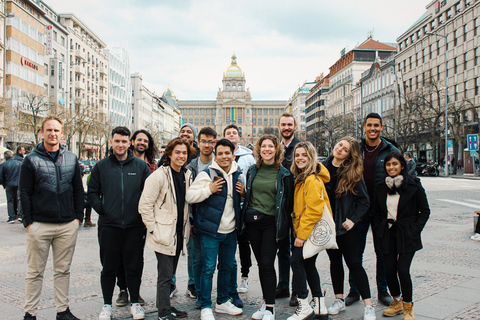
(267, 207)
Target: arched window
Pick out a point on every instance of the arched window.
(227, 87)
(239, 87)
(259, 121)
(233, 87)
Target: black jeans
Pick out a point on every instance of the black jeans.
(477, 227)
(397, 268)
(303, 271)
(347, 247)
(262, 237)
(126, 245)
(245, 254)
(87, 207)
(12, 202)
(166, 267)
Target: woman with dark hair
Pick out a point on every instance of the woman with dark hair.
(349, 201)
(310, 198)
(268, 202)
(400, 214)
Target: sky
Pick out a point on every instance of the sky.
(187, 44)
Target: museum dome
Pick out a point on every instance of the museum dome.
(169, 93)
(234, 70)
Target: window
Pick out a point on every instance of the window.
(254, 111)
(239, 87)
(465, 61)
(418, 34)
(405, 65)
(438, 73)
(456, 92)
(196, 111)
(416, 59)
(259, 121)
(455, 65)
(254, 130)
(410, 62)
(438, 47)
(449, 13)
(190, 111)
(432, 25)
(202, 111)
(239, 120)
(457, 7)
(412, 38)
(271, 111)
(259, 111)
(440, 19)
(208, 121)
(233, 87)
(475, 27)
(196, 121)
(227, 87)
(423, 56)
(277, 111)
(431, 52)
(476, 56)
(208, 111)
(455, 37)
(465, 33)
(465, 89)
(54, 35)
(202, 121)
(254, 121)
(271, 121)
(52, 70)
(477, 85)
(62, 41)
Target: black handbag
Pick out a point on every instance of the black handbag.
(252, 215)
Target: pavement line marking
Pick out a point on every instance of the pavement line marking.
(460, 203)
(470, 200)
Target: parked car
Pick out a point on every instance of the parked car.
(89, 164)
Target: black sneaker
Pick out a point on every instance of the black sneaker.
(191, 291)
(352, 297)
(282, 293)
(28, 316)
(10, 221)
(293, 299)
(235, 298)
(122, 299)
(178, 314)
(66, 315)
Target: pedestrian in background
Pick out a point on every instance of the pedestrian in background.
(411, 165)
(401, 212)
(310, 198)
(51, 194)
(9, 173)
(165, 213)
(349, 202)
(269, 197)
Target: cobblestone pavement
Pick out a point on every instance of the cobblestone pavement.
(445, 273)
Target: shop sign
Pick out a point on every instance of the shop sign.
(25, 62)
(49, 47)
(439, 5)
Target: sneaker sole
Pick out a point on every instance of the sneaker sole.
(334, 313)
(120, 304)
(190, 295)
(392, 315)
(239, 290)
(139, 317)
(232, 314)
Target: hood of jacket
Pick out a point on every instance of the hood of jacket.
(323, 175)
(241, 151)
(232, 170)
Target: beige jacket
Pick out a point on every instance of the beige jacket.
(158, 208)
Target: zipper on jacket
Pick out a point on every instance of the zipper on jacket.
(280, 206)
(123, 197)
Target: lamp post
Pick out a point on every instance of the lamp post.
(446, 102)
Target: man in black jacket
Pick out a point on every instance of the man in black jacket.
(114, 191)
(20, 153)
(51, 194)
(9, 171)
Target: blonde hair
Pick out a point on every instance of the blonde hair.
(351, 170)
(314, 167)
(278, 150)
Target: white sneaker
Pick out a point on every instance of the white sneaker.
(337, 306)
(207, 314)
(258, 315)
(106, 313)
(268, 315)
(137, 311)
(243, 287)
(475, 237)
(228, 308)
(369, 313)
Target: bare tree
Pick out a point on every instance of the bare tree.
(331, 129)
(30, 114)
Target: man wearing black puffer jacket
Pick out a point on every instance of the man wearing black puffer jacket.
(114, 191)
(51, 194)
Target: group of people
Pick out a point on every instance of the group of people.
(205, 197)
(9, 173)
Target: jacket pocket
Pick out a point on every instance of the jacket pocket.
(164, 230)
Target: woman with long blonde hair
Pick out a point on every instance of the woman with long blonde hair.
(349, 201)
(310, 198)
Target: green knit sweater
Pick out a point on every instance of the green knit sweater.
(264, 189)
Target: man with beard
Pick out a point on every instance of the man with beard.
(114, 190)
(287, 126)
(188, 132)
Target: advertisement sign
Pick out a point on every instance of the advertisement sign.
(49, 47)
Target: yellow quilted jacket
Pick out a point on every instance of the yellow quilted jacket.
(308, 203)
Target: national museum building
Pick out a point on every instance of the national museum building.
(234, 104)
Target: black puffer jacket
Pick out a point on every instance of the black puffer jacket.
(114, 190)
(51, 191)
(9, 172)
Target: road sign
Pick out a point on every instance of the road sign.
(473, 154)
(448, 158)
(450, 146)
(472, 142)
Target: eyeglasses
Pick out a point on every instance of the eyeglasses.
(210, 142)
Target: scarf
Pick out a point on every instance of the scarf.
(394, 183)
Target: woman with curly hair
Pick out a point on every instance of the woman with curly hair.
(349, 201)
(310, 198)
(268, 204)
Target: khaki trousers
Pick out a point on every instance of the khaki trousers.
(40, 236)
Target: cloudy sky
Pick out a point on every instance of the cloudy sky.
(279, 44)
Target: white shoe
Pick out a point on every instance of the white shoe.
(369, 313)
(337, 306)
(475, 237)
(318, 305)
(137, 311)
(268, 315)
(106, 313)
(228, 308)
(207, 314)
(304, 311)
(258, 315)
(243, 287)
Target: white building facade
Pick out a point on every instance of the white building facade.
(120, 87)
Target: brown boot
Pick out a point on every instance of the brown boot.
(396, 307)
(408, 311)
(88, 223)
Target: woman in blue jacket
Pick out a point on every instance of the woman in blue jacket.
(349, 201)
(267, 206)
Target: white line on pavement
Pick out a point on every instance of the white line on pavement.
(470, 200)
(460, 203)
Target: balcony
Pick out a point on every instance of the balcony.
(80, 69)
(79, 101)
(79, 85)
(80, 54)
(103, 70)
(102, 83)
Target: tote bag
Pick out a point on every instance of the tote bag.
(323, 235)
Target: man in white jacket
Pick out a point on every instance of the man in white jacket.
(217, 192)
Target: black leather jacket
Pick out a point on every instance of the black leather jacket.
(51, 191)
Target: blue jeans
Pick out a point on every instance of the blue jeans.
(222, 246)
(197, 261)
(363, 226)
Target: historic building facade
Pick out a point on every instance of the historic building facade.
(234, 104)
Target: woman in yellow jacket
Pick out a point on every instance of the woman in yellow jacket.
(309, 200)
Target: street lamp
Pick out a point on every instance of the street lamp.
(446, 102)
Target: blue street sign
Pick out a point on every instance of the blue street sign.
(472, 142)
(473, 154)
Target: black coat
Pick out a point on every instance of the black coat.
(412, 215)
(288, 153)
(9, 173)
